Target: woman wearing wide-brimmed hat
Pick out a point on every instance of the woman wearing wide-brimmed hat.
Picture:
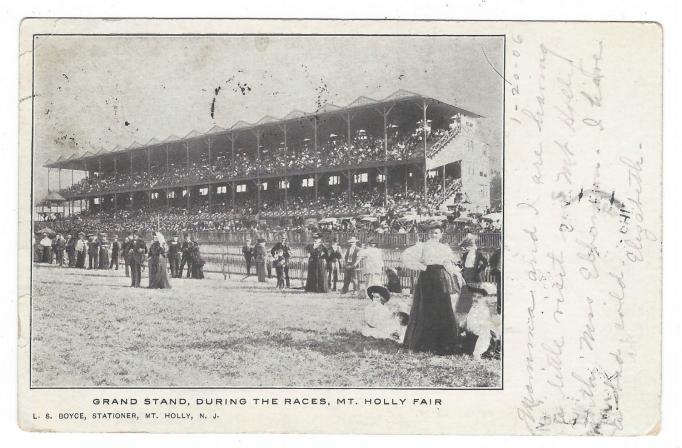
(316, 280)
(431, 326)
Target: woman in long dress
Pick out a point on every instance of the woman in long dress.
(158, 266)
(317, 266)
(260, 259)
(431, 327)
(197, 262)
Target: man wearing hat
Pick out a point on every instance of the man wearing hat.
(115, 251)
(71, 250)
(81, 249)
(247, 251)
(372, 263)
(46, 245)
(137, 250)
(93, 253)
(284, 247)
(350, 265)
(174, 256)
(125, 247)
(186, 250)
(473, 261)
(104, 250)
(334, 265)
(58, 246)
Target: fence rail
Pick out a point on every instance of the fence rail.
(489, 240)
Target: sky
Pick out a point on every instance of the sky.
(94, 92)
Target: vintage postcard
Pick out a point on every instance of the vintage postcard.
(339, 226)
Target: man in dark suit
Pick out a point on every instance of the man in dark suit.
(282, 245)
(186, 250)
(136, 253)
(248, 252)
(115, 250)
(473, 261)
(93, 253)
(174, 256)
(71, 250)
(124, 250)
(350, 265)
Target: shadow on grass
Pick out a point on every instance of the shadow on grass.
(322, 342)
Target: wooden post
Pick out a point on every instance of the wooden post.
(424, 107)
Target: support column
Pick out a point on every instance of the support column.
(210, 171)
(234, 193)
(187, 189)
(317, 180)
(48, 179)
(424, 107)
(232, 149)
(443, 198)
(286, 159)
(315, 136)
(385, 114)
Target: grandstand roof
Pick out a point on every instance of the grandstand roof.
(268, 120)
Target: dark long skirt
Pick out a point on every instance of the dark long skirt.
(104, 259)
(317, 276)
(198, 270)
(431, 327)
(260, 271)
(158, 273)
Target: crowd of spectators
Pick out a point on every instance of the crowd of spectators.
(335, 153)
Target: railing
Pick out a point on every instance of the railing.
(232, 265)
(485, 240)
(443, 141)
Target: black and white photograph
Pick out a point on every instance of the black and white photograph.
(281, 211)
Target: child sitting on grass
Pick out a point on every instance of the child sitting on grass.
(382, 321)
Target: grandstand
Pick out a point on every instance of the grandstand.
(408, 152)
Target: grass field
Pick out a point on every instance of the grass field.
(90, 329)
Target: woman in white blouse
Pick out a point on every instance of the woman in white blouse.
(432, 321)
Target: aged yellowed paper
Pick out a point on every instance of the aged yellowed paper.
(337, 226)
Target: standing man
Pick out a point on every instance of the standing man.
(93, 253)
(104, 250)
(174, 256)
(334, 266)
(136, 252)
(115, 250)
(248, 253)
(81, 249)
(284, 247)
(58, 246)
(473, 261)
(350, 265)
(71, 250)
(46, 245)
(186, 250)
(125, 247)
(372, 264)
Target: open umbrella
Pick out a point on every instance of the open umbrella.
(46, 230)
